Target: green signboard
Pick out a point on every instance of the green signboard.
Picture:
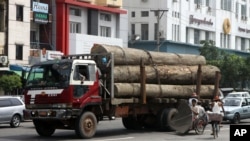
(41, 17)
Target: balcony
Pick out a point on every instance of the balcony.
(109, 3)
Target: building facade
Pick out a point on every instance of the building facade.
(86, 22)
(28, 28)
(188, 21)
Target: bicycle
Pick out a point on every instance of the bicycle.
(200, 124)
(215, 128)
(215, 120)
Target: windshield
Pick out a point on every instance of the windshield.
(232, 102)
(49, 75)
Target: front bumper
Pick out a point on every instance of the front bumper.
(49, 114)
(228, 117)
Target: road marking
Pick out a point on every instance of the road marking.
(115, 139)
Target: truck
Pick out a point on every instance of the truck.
(126, 83)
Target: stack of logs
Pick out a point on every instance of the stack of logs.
(168, 75)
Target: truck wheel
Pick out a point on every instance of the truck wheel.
(164, 117)
(131, 123)
(86, 125)
(43, 128)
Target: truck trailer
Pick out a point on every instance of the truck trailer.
(146, 89)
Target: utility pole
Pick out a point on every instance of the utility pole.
(159, 14)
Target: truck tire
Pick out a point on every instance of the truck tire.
(43, 128)
(164, 117)
(131, 123)
(86, 125)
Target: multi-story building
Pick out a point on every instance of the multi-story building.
(188, 21)
(81, 23)
(71, 26)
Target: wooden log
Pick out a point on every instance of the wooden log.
(167, 74)
(131, 56)
(124, 90)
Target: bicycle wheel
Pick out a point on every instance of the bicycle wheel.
(199, 127)
(214, 130)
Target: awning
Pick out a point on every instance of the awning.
(19, 68)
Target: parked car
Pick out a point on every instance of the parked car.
(238, 94)
(11, 110)
(236, 108)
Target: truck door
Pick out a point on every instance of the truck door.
(83, 78)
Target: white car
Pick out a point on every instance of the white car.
(238, 94)
(11, 110)
(236, 108)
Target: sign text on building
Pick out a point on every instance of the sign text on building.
(40, 7)
(41, 17)
(243, 30)
(193, 20)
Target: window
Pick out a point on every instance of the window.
(75, 27)
(237, 9)
(226, 5)
(243, 10)
(15, 102)
(133, 29)
(144, 13)
(75, 11)
(133, 14)
(105, 17)
(207, 35)
(208, 3)
(242, 44)
(105, 31)
(19, 52)
(175, 32)
(2, 17)
(225, 40)
(197, 1)
(5, 103)
(196, 36)
(144, 31)
(19, 13)
(33, 36)
(156, 27)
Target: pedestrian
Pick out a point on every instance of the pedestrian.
(194, 109)
(193, 96)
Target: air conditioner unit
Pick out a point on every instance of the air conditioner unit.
(175, 0)
(161, 34)
(4, 60)
(198, 6)
(242, 17)
(144, 0)
(209, 9)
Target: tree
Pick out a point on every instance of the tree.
(8, 83)
(235, 70)
(210, 51)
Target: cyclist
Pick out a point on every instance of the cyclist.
(217, 105)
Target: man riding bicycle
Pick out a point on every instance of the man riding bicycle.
(217, 106)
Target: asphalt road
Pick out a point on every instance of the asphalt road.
(110, 131)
